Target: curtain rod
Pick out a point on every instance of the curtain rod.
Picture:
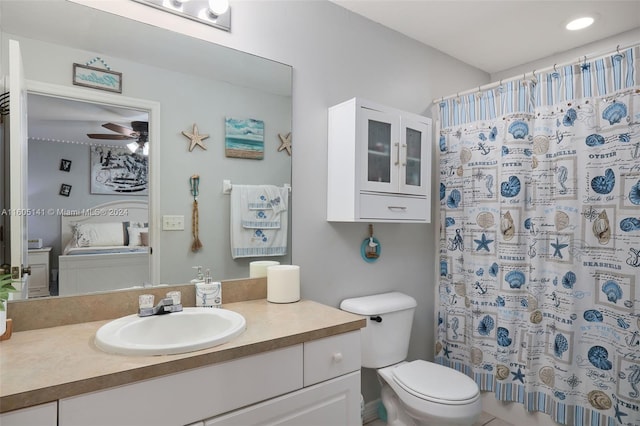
(535, 72)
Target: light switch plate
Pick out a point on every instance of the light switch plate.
(173, 223)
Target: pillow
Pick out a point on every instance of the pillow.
(98, 234)
(125, 228)
(135, 237)
(144, 239)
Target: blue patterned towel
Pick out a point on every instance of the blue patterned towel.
(259, 221)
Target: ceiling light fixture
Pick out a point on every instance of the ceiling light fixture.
(215, 13)
(580, 23)
(218, 7)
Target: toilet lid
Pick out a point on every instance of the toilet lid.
(435, 382)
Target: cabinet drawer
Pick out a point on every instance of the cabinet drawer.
(331, 357)
(393, 207)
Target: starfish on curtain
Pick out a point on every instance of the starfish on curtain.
(519, 375)
(483, 243)
(558, 247)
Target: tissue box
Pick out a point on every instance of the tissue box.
(35, 243)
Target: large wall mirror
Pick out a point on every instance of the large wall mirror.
(193, 82)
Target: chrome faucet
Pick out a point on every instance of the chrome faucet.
(165, 306)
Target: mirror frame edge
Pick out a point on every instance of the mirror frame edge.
(153, 108)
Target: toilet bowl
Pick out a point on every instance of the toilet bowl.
(414, 393)
(423, 393)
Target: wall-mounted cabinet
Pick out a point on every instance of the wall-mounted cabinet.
(379, 161)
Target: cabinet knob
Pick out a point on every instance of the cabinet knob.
(337, 357)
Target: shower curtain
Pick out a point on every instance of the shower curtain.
(540, 240)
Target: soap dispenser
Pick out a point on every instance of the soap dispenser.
(209, 293)
(199, 277)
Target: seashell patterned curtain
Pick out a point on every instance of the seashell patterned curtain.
(540, 240)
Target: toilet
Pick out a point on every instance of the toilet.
(417, 392)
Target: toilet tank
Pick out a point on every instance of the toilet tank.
(385, 339)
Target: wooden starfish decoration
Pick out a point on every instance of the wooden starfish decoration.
(285, 143)
(196, 138)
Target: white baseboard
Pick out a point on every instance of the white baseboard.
(371, 410)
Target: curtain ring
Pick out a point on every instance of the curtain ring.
(554, 68)
(618, 49)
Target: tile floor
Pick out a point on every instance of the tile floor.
(485, 419)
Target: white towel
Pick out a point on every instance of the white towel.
(259, 221)
(261, 205)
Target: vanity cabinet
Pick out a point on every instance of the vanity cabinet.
(379, 161)
(39, 278)
(269, 387)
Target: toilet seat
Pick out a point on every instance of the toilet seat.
(436, 383)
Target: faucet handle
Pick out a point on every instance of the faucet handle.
(176, 296)
(145, 301)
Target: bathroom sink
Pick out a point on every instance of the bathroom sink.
(179, 332)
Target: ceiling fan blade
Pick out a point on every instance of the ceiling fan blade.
(111, 137)
(121, 129)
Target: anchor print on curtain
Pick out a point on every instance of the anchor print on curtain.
(540, 241)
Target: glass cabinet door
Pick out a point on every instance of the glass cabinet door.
(413, 154)
(381, 148)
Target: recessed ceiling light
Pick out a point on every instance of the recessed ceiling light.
(580, 23)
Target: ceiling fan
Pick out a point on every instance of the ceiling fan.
(138, 133)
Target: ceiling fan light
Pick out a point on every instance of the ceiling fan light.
(133, 146)
(580, 23)
(218, 7)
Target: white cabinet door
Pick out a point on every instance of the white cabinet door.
(379, 150)
(40, 415)
(334, 402)
(415, 158)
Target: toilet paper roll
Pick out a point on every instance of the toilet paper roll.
(283, 283)
(258, 268)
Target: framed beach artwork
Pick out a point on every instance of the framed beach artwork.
(244, 138)
(118, 171)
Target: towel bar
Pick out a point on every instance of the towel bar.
(227, 186)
